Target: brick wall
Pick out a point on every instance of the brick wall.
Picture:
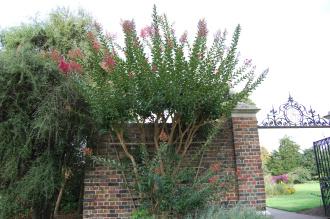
(236, 147)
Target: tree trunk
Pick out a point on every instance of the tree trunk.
(59, 198)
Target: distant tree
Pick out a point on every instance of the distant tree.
(308, 161)
(286, 158)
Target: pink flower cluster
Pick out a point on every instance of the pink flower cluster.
(128, 26)
(202, 28)
(75, 54)
(70, 66)
(215, 167)
(55, 56)
(108, 62)
(183, 38)
(93, 40)
(248, 62)
(146, 32)
(67, 66)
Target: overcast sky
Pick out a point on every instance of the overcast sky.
(290, 37)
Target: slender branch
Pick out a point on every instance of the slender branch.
(217, 125)
(143, 131)
(156, 133)
(189, 139)
(59, 198)
(156, 141)
(211, 136)
(182, 135)
(120, 136)
(126, 182)
(60, 194)
(164, 121)
(175, 121)
(199, 164)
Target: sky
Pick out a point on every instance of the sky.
(290, 37)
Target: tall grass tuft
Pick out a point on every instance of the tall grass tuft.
(238, 212)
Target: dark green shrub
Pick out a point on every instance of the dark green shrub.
(44, 120)
(300, 175)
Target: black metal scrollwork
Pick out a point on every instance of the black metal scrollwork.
(293, 115)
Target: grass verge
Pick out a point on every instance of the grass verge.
(307, 196)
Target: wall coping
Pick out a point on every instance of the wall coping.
(245, 110)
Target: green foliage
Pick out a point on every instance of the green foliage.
(308, 162)
(286, 158)
(176, 194)
(299, 175)
(63, 30)
(289, 160)
(43, 122)
(237, 212)
(141, 213)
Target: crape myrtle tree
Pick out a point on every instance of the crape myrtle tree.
(44, 121)
(160, 80)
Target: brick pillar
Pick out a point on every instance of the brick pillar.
(251, 188)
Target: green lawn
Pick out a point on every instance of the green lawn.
(307, 196)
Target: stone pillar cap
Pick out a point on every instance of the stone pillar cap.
(245, 110)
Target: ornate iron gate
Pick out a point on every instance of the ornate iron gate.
(295, 115)
(322, 156)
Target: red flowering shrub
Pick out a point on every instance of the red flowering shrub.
(64, 66)
(70, 66)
